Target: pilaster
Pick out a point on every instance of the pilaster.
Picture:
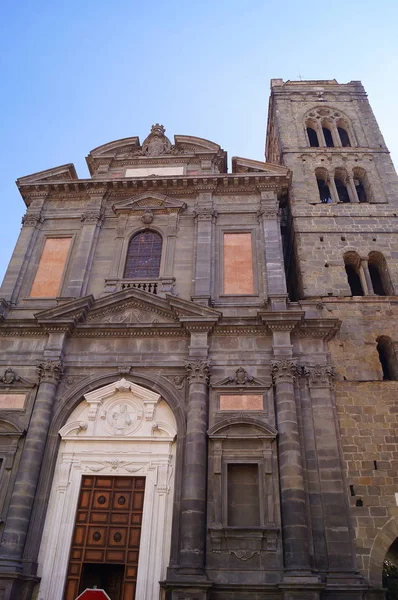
(92, 220)
(31, 223)
(205, 217)
(16, 527)
(269, 217)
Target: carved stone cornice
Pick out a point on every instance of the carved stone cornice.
(198, 371)
(49, 371)
(319, 375)
(284, 370)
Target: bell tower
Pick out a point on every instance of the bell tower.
(344, 193)
(339, 227)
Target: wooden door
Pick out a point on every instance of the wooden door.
(107, 532)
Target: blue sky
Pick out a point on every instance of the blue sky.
(78, 74)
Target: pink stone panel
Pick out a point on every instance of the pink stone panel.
(238, 263)
(12, 401)
(51, 267)
(241, 402)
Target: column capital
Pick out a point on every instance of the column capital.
(198, 371)
(284, 370)
(49, 371)
(205, 213)
(319, 375)
(92, 216)
(32, 218)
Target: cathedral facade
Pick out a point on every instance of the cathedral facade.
(198, 384)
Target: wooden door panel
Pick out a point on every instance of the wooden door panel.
(107, 531)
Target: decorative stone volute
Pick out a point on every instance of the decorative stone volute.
(284, 370)
(49, 371)
(198, 371)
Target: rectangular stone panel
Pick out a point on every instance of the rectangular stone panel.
(146, 171)
(12, 401)
(241, 402)
(238, 263)
(51, 268)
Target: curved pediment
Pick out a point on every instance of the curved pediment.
(242, 427)
(157, 156)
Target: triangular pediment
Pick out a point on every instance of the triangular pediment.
(70, 312)
(132, 307)
(149, 201)
(62, 173)
(246, 165)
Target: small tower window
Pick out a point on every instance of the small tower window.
(312, 137)
(387, 357)
(328, 137)
(361, 184)
(379, 274)
(361, 193)
(352, 265)
(345, 140)
(143, 255)
(323, 186)
(342, 190)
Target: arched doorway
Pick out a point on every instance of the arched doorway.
(109, 515)
(390, 572)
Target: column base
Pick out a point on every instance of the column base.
(185, 590)
(14, 586)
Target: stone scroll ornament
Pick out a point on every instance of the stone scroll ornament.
(284, 370)
(49, 371)
(197, 371)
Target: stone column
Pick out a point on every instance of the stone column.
(341, 553)
(276, 280)
(368, 279)
(352, 189)
(293, 493)
(16, 270)
(205, 217)
(193, 499)
(17, 523)
(84, 253)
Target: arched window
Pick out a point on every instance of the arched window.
(327, 134)
(344, 138)
(143, 255)
(352, 264)
(361, 184)
(322, 180)
(312, 137)
(340, 179)
(387, 357)
(379, 274)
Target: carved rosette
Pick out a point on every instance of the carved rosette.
(49, 371)
(284, 371)
(319, 375)
(198, 371)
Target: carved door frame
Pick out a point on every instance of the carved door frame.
(148, 451)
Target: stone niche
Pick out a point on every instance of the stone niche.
(243, 516)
